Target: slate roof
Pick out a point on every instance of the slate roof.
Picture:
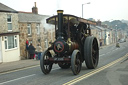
(30, 17)
(4, 8)
(101, 28)
(92, 27)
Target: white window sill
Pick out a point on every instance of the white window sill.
(11, 49)
(9, 30)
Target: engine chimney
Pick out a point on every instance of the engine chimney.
(35, 9)
(60, 22)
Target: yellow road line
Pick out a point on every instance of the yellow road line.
(18, 69)
(94, 71)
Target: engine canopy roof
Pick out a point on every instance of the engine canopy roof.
(67, 17)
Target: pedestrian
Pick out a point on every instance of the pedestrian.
(31, 51)
(39, 50)
(27, 44)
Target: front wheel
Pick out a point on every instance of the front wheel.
(76, 62)
(45, 64)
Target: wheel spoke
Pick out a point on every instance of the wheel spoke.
(93, 51)
(76, 67)
(46, 67)
(94, 44)
(94, 55)
(94, 59)
(77, 64)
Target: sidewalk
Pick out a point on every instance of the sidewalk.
(9, 66)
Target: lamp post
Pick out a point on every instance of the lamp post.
(105, 37)
(116, 33)
(82, 7)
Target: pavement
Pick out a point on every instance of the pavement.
(15, 65)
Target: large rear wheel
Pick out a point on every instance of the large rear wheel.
(45, 64)
(91, 52)
(76, 62)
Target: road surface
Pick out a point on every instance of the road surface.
(110, 58)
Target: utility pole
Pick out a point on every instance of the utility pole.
(116, 33)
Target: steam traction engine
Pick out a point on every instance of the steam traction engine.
(73, 45)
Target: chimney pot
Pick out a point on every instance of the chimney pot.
(35, 4)
(35, 9)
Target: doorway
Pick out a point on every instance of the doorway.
(0, 50)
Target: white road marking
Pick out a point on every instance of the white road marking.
(21, 78)
(17, 79)
(19, 69)
(108, 52)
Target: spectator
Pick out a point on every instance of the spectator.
(27, 44)
(39, 50)
(31, 51)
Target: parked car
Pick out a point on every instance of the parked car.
(122, 40)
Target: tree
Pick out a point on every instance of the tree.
(116, 24)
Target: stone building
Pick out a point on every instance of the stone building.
(95, 33)
(9, 34)
(33, 27)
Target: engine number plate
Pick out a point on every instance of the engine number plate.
(58, 59)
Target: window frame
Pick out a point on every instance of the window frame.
(38, 28)
(6, 40)
(29, 28)
(15, 43)
(9, 22)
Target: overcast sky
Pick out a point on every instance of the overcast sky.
(97, 9)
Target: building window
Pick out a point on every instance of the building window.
(38, 28)
(9, 22)
(15, 41)
(29, 29)
(10, 42)
(5, 41)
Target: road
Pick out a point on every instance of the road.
(110, 57)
